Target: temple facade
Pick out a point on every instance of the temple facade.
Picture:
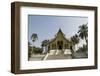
(59, 44)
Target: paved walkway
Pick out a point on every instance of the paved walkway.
(56, 57)
(36, 57)
(50, 57)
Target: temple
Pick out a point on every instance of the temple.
(58, 45)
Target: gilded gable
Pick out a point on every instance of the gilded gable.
(59, 42)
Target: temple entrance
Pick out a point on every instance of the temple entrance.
(60, 45)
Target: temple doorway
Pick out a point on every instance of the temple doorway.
(60, 45)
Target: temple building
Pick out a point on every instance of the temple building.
(59, 44)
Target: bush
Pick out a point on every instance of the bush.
(83, 49)
(36, 50)
(29, 51)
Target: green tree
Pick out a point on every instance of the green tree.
(75, 39)
(44, 43)
(37, 50)
(29, 50)
(34, 37)
(83, 32)
(84, 49)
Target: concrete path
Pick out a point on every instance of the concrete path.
(50, 57)
(77, 55)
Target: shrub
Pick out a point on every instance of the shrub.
(37, 50)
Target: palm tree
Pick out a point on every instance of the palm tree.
(34, 37)
(83, 32)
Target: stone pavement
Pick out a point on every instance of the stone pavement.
(77, 55)
(50, 57)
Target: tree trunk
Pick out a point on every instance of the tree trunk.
(32, 49)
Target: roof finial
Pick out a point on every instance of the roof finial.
(59, 26)
(60, 29)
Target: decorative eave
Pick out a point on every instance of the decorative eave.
(60, 31)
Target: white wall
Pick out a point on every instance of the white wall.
(5, 33)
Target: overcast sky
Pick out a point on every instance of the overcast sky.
(47, 26)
